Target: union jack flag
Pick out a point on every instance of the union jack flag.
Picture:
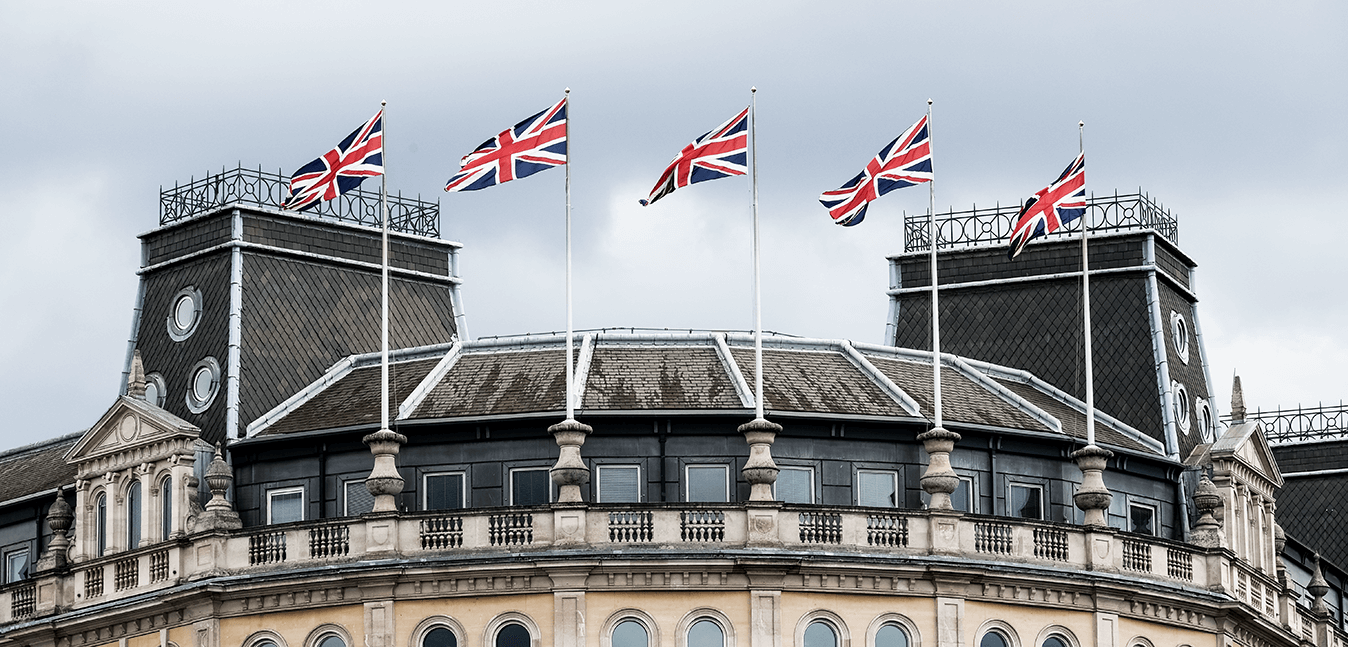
(904, 162)
(1052, 207)
(720, 153)
(341, 169)
(535, 144)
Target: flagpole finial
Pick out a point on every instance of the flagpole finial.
(383, 103)
(753, 88)
(567, 90)
(1081, 124)
(928, 101)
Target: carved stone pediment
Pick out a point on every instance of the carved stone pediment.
(1243, 452)
(131, 433)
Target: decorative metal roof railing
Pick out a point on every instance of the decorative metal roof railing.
(987, 227)
(1301, 424)
(269, 190)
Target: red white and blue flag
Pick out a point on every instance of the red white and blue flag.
(904, 162)
(720, 153)
(535, 144)
(1051, 208)
(341, 169)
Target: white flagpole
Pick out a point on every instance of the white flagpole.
(570, 406)
(758, 297)
(935, 294)
(383, 207)
(1086, 304)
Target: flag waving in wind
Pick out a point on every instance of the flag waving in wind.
(535, 144)
(341, 169)
(904, 162)
(1052, 207)
(720, 153)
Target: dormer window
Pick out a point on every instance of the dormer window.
(1179, 335)
(184, 313)
(203, 384)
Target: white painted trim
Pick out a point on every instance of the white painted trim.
(1289, 475)
(1150, 267)
(463, 490)
(798, 468)
(1159, 352)
(256, 247)
(893, 474)
(304, 502)
(687, 481)
(732, 368)
(510, 485)
(233, 356)
(423, 388)
(599, 475)
(879, 378)
(582, 373)
(1011, 397)
(337, 372)
(258, 209)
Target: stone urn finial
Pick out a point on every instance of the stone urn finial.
(940, 479)
(1093, 498)
(219, 514)
(384, 481)
(570, 472)
(1318, 588)
(59, 519)
(1207, 531)
(760, 470)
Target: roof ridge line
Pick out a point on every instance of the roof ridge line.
(732, 369)
(1013, 398)
(423, 388)
(334, 374)
(881, 380)
(582, 372)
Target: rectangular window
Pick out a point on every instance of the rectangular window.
(619, 484)
(356, 498)
(1142, 519)
(707, 483)
(1025, 501)
(794, 485)
(16, 565)
(962, 498)
(877, 489)
(443, 492)
(530, 487)
(285, 505)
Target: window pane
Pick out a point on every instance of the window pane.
(513, 634)
(358, 498)
(166, 508)
(705, 633)
(439, 637)
(630, 633)
(101, 523)
(877, 489)
(992, 639)
(332, 641)
(444, 491)
(819, 634)
(619, 484)
(960, 499)
(530, 487)
(1025, 502)
(133, 514)
(1142, 518)
(795, 485)
(891, 636)
(287, 507)
(16, 566)
(707, 484)
(1054, 641)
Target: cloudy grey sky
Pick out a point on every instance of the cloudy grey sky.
(1232, 114)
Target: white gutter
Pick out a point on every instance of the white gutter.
(1158, 350)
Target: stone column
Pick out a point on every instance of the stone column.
(384, 481)
(760, 470)
(1092, 497)
(939, 480)
(570, 471)
(1207, 531)
(219, 514)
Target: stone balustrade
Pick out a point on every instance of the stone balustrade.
(765, 528)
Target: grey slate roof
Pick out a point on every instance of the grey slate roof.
(36, 468)
(687, 372)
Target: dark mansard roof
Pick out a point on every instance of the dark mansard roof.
(36, 468)
(687, 374)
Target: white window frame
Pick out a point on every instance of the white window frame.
(599, 477)
(1155, 517)
(463, 491)
(346, 503)
(1043, 500)
(893, 474)
(798, 468)
(272, 494)
(972, 500)
(511, 484)
(28, 559)
(687, 481)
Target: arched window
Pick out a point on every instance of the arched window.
(890, 635)
(1055, 641)
(706, 633)
(439, 637)
(166, 507)
(513, 634)
(820, 634)
(332, 640)
(101, 524)
(265, 642)
(133, 512)
(630, 633)
(994, 638)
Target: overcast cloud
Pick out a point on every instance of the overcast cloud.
(1232, 114)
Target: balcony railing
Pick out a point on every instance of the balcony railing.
(269, 190)
(992, 226)
(1301, 424)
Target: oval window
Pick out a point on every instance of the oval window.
(184, 313)
(1182, 414)
(1179, 335)
(156, 392)
(204, 385)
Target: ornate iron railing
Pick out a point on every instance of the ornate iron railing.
(976, 227)
(1301, 424)
(264, 189)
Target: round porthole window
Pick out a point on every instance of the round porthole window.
(203, 384)
(184, 313)
(1204, 413)
(1179, 335)
(156, 392)
(1180, 395)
